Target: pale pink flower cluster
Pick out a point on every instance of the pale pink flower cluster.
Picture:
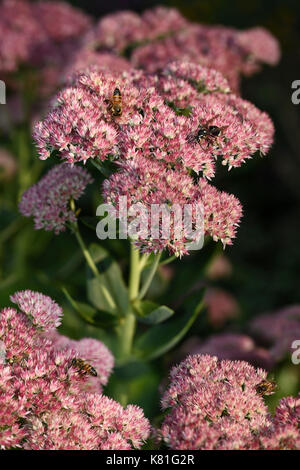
(86, 58)
(8, 165)
(18, 30)
(161, 35)
(94, 352)
(155, 141)
(39, 32)
(278, 330)
(43, 312)
(221, 306)
(284, 433)
(244, 129)
(233, 346)
(48, 201)
(123, 29)
(214, 405)
(44, 402)
(230, 51)
(259, 44)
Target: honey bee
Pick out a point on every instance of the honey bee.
(206, 133)
(266, 387)
(83, 366)
(115, 103)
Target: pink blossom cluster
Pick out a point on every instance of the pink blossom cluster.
(48, 201)
(155, 140)
(123, 29)
(232, 346)
(221, 306)
(244, 129)
(18, 31)
(161, 35)
(93, 351)
(284, 432)
(223, 49)
(278, 330)
(215, 405)
(8, 165)
(38, 33)
(44, 400)
(84, 58)
(43, 312)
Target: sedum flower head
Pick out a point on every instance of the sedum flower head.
(278, 330)
(213, 404)
(230, 51)
(48, 200)
(93, 351)
(156, 142)
(232, 346)
(284, 432)
(81, 126)
(41, 309)
(44, 403)
(38, 33)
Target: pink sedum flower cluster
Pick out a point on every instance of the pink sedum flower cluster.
(48, 201)
(161, 35)
(155, 140)
(43, 312)
(95, 354)
(214, 405)
(44, 402)
(85, 58)
(232, 346)
(221, 48)
(278, 330)
(284, 433)
(38, 33)
(123, 29)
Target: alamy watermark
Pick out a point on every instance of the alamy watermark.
(2, 92)
(296, 94)
(158, 222)
(295, 358)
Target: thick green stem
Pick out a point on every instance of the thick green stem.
(127, 329)
(150, 276)
(135, 273)
(93, 266)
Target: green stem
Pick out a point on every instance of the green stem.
(93, 266)
(127, 329)
(150, 276)
(135, 272)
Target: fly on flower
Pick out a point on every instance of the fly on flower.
(206, 132)
(115, 103)
(82, 366)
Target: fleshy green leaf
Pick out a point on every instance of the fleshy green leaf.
(151, 313)
(90, 314)
(107, 292)
(161, 338)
